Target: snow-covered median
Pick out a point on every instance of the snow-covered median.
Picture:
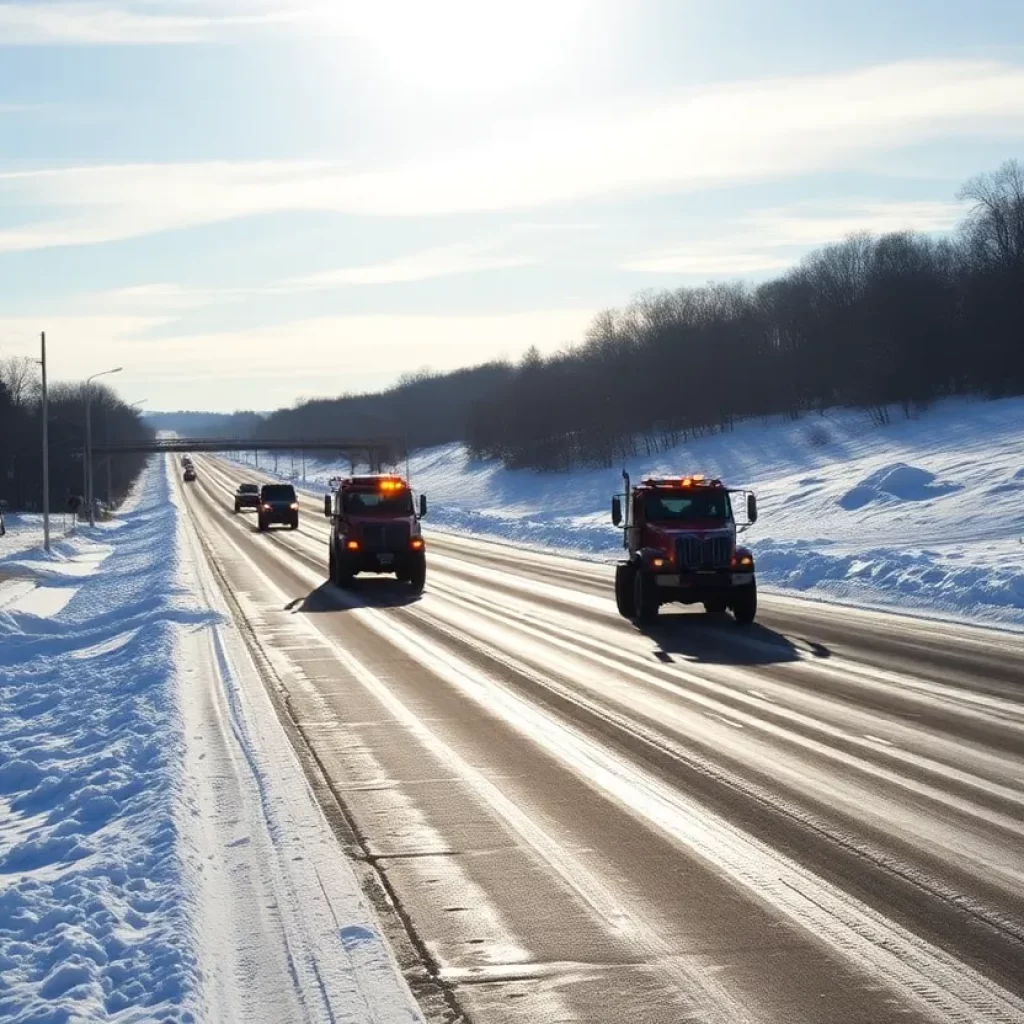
(925, 514)
(161, 854)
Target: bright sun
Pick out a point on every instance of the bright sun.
(473, 45)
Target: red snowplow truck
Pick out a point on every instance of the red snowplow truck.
(681, 534)
(375, 527)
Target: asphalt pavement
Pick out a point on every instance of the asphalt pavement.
(819, 818)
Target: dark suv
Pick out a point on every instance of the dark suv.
(278, 504)
(247, 496)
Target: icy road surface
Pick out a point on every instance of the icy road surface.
(819, 819)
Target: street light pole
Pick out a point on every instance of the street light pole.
(88, 440)
(110, 470)
(88, 452)
(46, 450)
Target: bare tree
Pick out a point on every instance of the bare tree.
(996, 223)
(20, 376)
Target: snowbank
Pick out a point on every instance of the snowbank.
(924, 514)
(24, 533)
(92, 926)
(161, 854)
(21, 533)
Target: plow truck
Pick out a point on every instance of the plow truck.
(680, 535)
(375, 527)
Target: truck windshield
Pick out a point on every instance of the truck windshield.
(278, 492)
(376, 503)
(684, 506)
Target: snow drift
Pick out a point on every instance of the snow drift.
(91, 921)
(162, 856)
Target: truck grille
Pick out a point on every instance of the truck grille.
(385, 537)
(703, 553)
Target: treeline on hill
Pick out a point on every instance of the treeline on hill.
(423, 409)
(874, 322)
(21, 478)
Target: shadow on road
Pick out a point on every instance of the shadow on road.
(718, 640)
(373, 592)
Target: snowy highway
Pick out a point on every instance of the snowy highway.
(820, 818)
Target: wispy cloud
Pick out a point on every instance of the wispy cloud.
(38, 23)
(160, 299)
(111, 202)
(815, 223)
(334, 349)
(338, 346)
(717, 258)
(438, 261)
(775, 238)
(725, 135)
(518, 246)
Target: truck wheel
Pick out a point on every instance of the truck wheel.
(341, 577)
(716, 606)
(295, 523)
(261, 525)
(744, 603)
(237, 510)
(624, 589)
(645, 598)
(418, 575)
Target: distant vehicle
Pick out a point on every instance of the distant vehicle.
(247, 496)
(186, 460)
(375, 528)
(190, 474)
(278, 504)
(680, 534)
(3, 525)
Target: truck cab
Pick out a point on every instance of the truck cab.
(681, 538)
(375, 527)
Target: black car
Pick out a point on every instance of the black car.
(278, 504)
(247, 496)
(190, 475)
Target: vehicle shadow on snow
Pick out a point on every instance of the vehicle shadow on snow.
(371, 592)
(718, 640)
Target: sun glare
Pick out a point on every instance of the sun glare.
(472, 46)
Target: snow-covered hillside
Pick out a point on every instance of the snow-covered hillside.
(924, 514)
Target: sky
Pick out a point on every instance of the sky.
(249, 202)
